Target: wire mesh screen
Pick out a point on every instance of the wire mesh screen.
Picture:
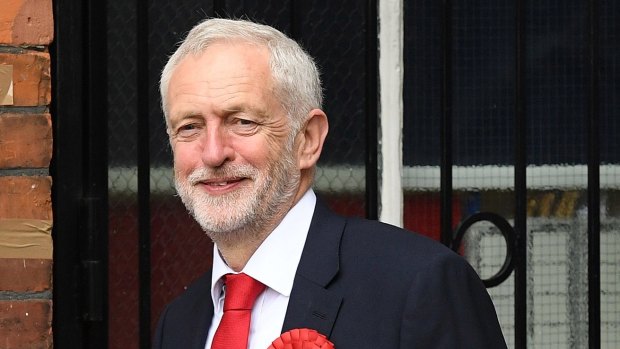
(480, 98)
(610, 281)
(422, 110)
(557, 102)
(610, 158)
(557, 82)
(122, 181)
(334, 33)
(483, 88)
(483, 83)
(609, 75)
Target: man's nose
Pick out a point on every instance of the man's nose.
(216, 147)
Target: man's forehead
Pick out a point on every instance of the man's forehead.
(232, 47)
(224, 60)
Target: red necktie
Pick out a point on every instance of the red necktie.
(241, 293)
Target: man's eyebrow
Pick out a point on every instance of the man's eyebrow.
(235, 108)
(240, 108)
(185, 114)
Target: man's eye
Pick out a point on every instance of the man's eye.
(246, 122)
(187, 127)
(245, 127)
(188, 130)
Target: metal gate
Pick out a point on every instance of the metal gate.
(505, 102)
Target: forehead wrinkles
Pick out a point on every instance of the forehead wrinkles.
(217, 91)
(189, 100)
(222, 62)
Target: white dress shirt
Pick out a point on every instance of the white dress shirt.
(274, 264)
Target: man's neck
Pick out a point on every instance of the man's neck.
(237, 255)
(237, 252)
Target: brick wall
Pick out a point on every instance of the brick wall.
(26, 30)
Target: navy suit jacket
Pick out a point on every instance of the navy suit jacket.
(363, 284)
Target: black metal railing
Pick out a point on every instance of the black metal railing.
(79, 62)
(594, 188)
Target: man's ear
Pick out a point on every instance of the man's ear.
(312, 137)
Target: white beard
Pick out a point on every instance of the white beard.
(242, 214)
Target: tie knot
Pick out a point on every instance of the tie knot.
(241, 291)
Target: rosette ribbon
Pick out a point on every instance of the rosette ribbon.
(301, 338)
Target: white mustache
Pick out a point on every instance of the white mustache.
(230, 171)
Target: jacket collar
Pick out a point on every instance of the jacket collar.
(312, 304)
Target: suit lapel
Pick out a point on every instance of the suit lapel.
(202, 325)
(312, 304)
(200, 314)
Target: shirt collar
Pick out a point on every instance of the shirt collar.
(275, 261)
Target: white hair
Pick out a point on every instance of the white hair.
(295, 76)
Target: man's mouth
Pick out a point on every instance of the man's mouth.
(220, 185)
(220, 182)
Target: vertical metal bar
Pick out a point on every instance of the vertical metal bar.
(66, 168)
(372, 183)
(445, 127)
(520, 180)
(144, 190)
(94, 242)
(80, 253)
(594, 224)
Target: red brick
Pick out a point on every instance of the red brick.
(25, 140)
(25, 275)
(26, 22)
(26, 324)
(31, 77)
(26, 197)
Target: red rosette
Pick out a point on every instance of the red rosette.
(301, 338)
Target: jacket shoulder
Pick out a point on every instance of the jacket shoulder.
(184, 323)
(394, 241)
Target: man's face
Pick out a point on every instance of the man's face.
(234, 160)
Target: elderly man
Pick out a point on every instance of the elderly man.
(243, 111)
